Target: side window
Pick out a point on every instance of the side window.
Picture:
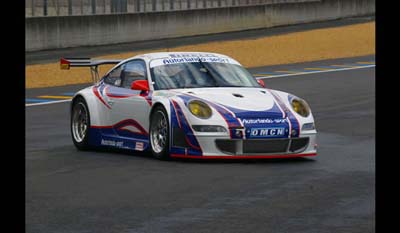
(132, 71)
(114, 77)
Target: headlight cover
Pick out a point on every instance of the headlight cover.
(300, 106)
(200, 109)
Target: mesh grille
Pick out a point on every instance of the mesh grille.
(262, 146)
(265, 146)
(298, 144)
(228, 146)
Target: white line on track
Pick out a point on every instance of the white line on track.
(314, 72)
(266, 77)
(45, 103)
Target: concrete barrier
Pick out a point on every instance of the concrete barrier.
(74, 31)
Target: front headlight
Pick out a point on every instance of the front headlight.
(200, 109)
(300, 106)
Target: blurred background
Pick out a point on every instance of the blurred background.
(91, 7)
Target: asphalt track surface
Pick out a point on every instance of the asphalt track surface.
(110, 191)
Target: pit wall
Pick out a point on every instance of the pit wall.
(43, 33)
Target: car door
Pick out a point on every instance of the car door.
(129, 108)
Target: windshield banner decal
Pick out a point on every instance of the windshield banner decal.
(191, 59)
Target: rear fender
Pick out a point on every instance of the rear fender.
(93, 104)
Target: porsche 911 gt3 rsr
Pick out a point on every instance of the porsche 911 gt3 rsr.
(188, 105)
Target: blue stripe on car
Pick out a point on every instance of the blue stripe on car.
(231, 120)
(195, 148)
(292, 118)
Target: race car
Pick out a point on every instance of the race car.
(188, 105)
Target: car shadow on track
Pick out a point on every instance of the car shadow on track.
(245, 161)
(148, 155)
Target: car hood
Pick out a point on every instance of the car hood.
(244, 102)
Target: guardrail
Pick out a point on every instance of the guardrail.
(35, 8)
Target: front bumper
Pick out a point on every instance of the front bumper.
(217, 147)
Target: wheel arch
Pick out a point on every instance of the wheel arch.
(91, 103)
(164, 103)
(74, 99)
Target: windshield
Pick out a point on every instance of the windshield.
(200, 74)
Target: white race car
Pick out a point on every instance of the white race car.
(188, 105)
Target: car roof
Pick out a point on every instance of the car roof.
(169, 55)
(159, 55)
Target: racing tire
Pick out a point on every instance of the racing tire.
(159, 133)
(80, 124)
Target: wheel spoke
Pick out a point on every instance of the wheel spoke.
(79, 122)
(158, 132)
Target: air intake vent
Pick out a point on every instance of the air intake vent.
(237, 95)
(299, 144)
(262, 146)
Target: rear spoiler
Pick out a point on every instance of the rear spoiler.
(67, 63)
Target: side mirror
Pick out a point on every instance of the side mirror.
(261, 82)
(140, 85)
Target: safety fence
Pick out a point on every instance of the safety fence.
(39, 8)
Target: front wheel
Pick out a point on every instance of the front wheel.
(159, 133)
(80, 123)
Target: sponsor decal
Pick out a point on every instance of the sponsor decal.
(267, 132)
(263, 121)
(194, 59)
(191, 58)
(139, 146)
(112, 143)
(180, 55)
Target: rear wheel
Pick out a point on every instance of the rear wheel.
(159, 133)
(80, 124)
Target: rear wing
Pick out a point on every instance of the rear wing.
(67, 63)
